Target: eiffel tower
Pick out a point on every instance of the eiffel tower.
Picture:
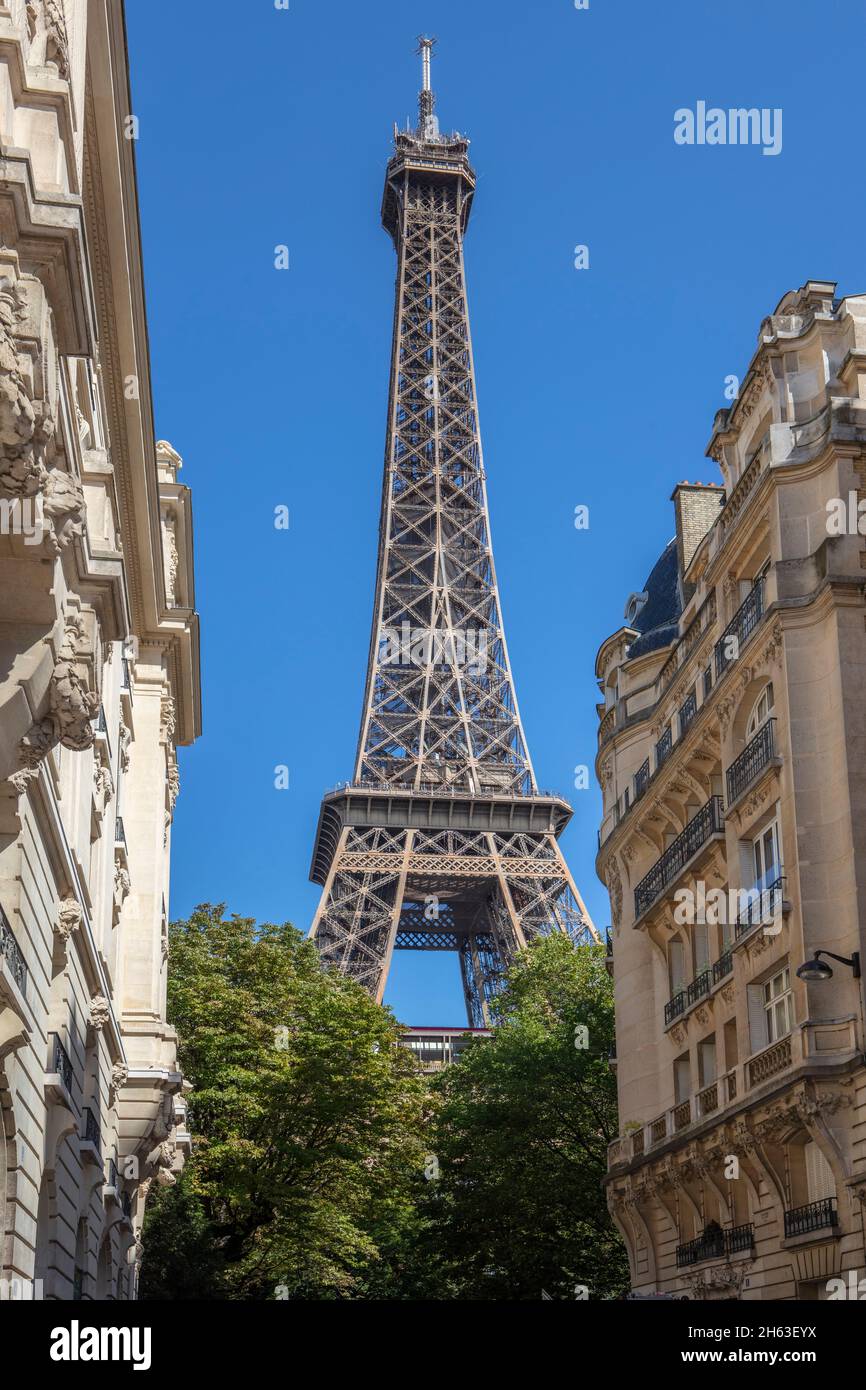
(442, 841)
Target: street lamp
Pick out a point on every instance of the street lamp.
(817, 969)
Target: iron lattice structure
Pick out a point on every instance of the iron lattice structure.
(442, 841)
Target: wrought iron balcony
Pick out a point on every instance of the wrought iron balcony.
(756, 755)
(641, 778)
(664, 748)
(700, 986)
(60, 1063)
(688, 710)
(12, 951)
(723, 966)
(675, 1006)
(709, 821)
(91, 1129)
(814, 1216)
(714, 1245)
(684, 998)
(764, 906)
(741, 627)
(113, 1180)
(119, 832)
(125, 682)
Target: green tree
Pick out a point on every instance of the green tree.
(521, 1135)
(307, 1120)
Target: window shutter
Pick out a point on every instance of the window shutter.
(758, 1036)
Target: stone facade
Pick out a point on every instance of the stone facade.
(732, 755)
(99, 678)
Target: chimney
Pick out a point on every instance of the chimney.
(696, 506)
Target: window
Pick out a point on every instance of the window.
(663, 747)
(778, 1005)
(820, 1183)
(688, 710)
(641, 778)
(708, 682)
(765, 856)
(762, 711)
(707, 1061)
(676, 965)
(682, 1079)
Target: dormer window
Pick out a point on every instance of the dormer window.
(635, 605)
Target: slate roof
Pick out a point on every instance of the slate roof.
(658, 620)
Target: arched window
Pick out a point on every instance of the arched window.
(762, 711)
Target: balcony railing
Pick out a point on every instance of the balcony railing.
(664, 747)
(764, 905)
(770, 1062)
(113, 1178)
(723, 966)
(60, 1063)
(688, 710)
(641, 778)
(91, 1129)
(12, 951)
(682, 1115)
(756, 755)
(814, 1216)
(714, 1245)
(709, 821)
(119, 832)
(741, 627)
(700, 986)
(125, 682)
(708, 1099)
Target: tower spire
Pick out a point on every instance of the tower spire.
(428, 125)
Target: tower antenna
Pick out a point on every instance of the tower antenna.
(428, 125)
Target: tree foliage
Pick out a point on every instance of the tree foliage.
(307, 1122)
(521, 1133)
(325, 1167)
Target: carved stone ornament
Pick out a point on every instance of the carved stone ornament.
(125, 736)
(100, 1011)
(168, 719)
(47, 17)
(122, 885)
(614, 886)
(73, 701)
(173, 783)
(119, 1077)
(27, 427)
(69, 918)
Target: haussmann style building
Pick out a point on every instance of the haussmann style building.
(732, 757)
(98, 672)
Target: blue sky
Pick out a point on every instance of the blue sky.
(262, 127)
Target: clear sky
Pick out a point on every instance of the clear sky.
(262, 127)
